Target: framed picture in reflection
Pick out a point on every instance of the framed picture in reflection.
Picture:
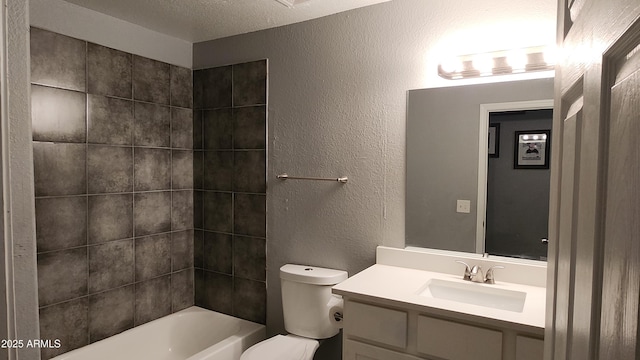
(494, 140)
(531, 150)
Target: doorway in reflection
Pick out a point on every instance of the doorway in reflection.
(518, 176)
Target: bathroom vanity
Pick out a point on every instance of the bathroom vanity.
(415, 305)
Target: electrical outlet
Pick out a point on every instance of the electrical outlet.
(463, 206)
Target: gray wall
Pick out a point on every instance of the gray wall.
(517, 199)
(113, 163)
(230, 166)
(442, 158)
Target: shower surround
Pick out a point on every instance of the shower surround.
(135, 190)
(113, 163)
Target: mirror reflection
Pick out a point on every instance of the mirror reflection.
(517, 206)
(450, 177)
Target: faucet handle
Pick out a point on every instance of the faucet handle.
(489, 278)
(467, 270)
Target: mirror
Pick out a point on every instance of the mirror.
(445, 200)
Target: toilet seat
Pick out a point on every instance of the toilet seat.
(282, 347)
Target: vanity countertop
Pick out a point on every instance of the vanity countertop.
(400, 287)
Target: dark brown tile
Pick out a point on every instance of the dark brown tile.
(249, 258)
(110, 217)
(62, 275)
(218, 170)
(198, 249)
(109, 169)
(151, 80)
(109, 71)
(182, 210)
(58, 115)
(249, 171)
(57, 60)
(216, 87)
(152, 213)
(198, 142)
(110, 120)
(152, 169)
(250, 300)
(153, 299)
(250, 83)
(182, 291)
(110, 313)
(182, 169)
(198, 209)
(218, 212)
(59, 169)
(181, 87)
(199, 287)
(250, 127)
(218, 129)
(198, 170)
(249, 215)
(110, 265)
(152, 125)
(217, 253)
(214, 291)
(61, 223)
(198, 81)
(182, 250)
(67, 322)
(153, 256)
(181, 128)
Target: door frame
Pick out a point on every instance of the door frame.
(483, 156)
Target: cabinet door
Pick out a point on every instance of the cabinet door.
(529, 348)
(445, 339)
(354, 350)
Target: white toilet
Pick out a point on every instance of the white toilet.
(306, 300)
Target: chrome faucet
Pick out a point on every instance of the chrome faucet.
(475, 273)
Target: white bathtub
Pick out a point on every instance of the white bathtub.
(190, 334)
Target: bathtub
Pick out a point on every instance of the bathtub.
(191, 334)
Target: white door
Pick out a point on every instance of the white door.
(594, 254)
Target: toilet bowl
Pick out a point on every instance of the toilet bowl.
(282, 347)
(306, 300)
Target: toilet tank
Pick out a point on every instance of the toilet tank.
(306, 299)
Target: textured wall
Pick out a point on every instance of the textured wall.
(113, 163)
(230, 165)
(337, 98)
(17, 153)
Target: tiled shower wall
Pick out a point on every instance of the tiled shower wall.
(230, 180)
(113, 162)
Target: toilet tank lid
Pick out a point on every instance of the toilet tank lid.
(312, 274)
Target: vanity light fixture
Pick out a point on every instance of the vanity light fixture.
(505, 62)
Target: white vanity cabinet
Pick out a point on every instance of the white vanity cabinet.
(376, 331)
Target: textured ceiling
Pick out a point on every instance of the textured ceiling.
(200, 20)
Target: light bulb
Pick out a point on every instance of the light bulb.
(483, 63)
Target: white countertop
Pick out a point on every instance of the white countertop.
(400, 287)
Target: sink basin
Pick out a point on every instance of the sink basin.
(474, 293)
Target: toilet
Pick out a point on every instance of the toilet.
(306, 301)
